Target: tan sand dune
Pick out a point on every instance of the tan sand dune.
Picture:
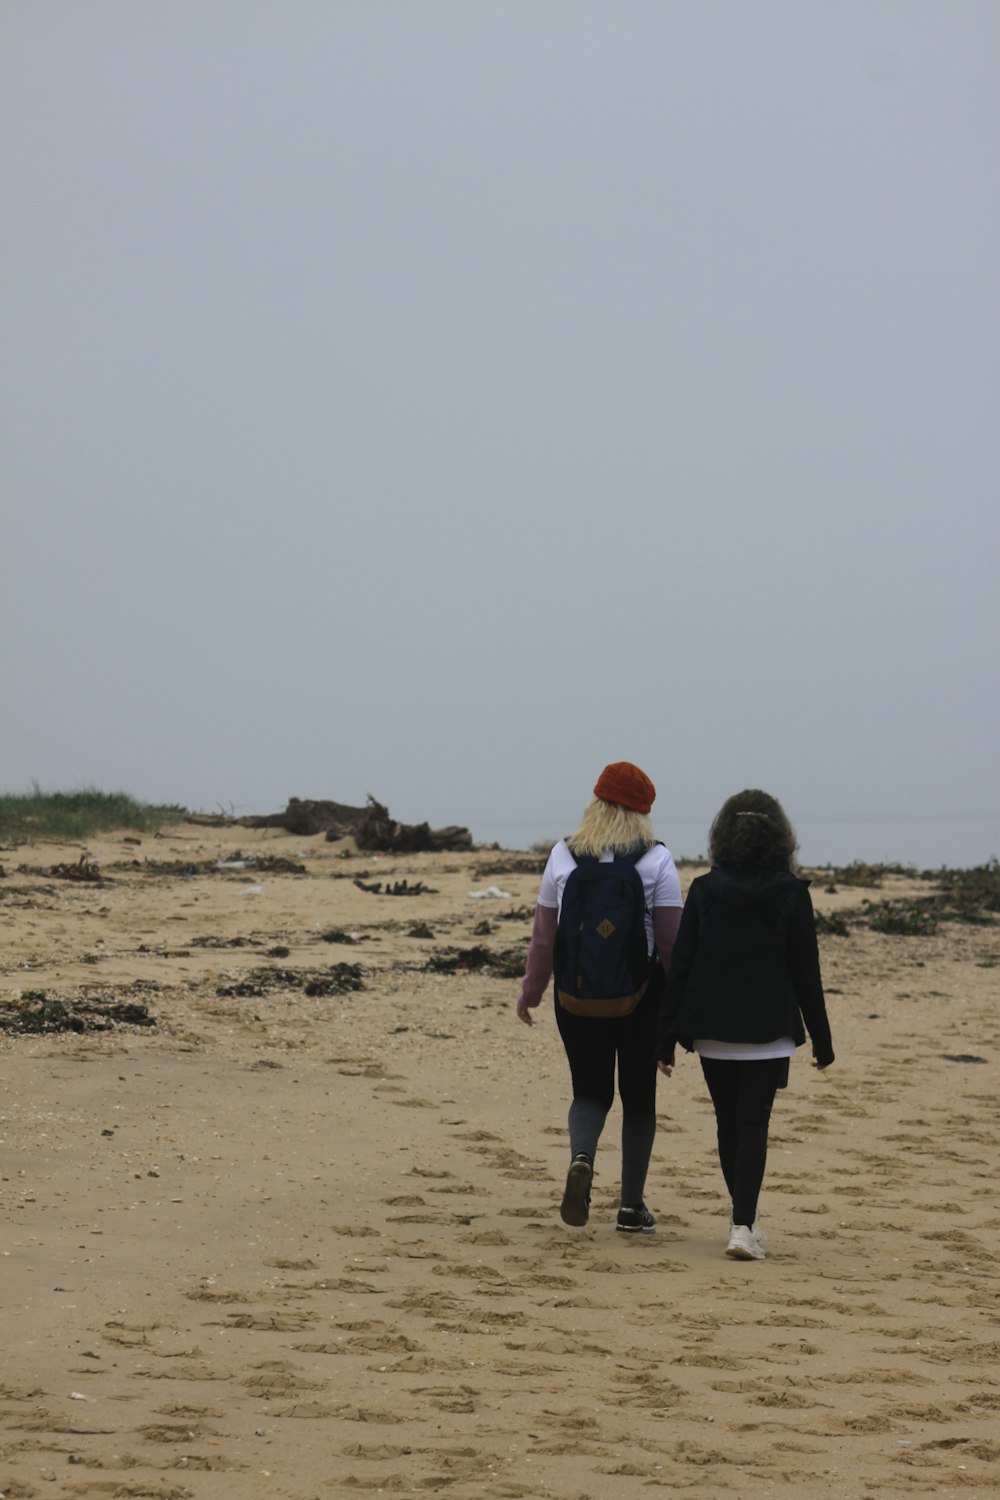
(300, 1245)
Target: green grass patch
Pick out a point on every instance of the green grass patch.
(860, 873)
(971, 895)
(77, 815)
(833, 924)
(905, 918)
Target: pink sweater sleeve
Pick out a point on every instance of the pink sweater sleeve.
(538, 968)
(666, 920)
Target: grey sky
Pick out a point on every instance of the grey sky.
(441, 400)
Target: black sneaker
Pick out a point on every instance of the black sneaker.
(635, 1220)
(575, 1207)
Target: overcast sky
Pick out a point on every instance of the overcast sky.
(440, 400)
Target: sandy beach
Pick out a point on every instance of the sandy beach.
(300, 1237)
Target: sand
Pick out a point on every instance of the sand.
(309, 1246)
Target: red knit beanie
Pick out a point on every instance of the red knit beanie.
(624, 783)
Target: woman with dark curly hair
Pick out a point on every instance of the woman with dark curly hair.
(743, 988)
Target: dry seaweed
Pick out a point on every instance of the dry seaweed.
(507, 964)
(211, 940)
(514, 864)
(397, 888)
(35, 1011)
(339, 979)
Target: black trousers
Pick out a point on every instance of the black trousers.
(594, 1049)
(743, 1093)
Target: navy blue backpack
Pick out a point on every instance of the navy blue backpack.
(601, 962)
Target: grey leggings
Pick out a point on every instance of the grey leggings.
(594, 1049)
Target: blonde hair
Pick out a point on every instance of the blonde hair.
(607, 828)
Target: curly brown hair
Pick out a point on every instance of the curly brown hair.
(751, 831)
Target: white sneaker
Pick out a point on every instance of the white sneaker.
(755, 1228)
(744, 1243)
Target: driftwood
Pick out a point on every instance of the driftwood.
(372, 826)
(377, 830)
(306, 817)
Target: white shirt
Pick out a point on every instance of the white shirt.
(656, 870)
(782, 1046)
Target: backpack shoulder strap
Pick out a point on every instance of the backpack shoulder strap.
(639, 852)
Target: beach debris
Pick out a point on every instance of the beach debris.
(491, 893)
(84, 869)
(962, 1057)
(397, 888)
(233, 864)
(483, 928)
(275, 864)
(507, 964)
(338, 935)
(35, 1011)
(420, 930)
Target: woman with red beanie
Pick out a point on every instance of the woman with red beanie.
(600, 1035)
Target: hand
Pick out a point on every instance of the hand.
(524, 1013)
(666, 1065)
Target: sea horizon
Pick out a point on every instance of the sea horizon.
(920, 844)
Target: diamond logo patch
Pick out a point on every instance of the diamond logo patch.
(605, 928)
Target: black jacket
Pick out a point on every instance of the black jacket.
(745, 966)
